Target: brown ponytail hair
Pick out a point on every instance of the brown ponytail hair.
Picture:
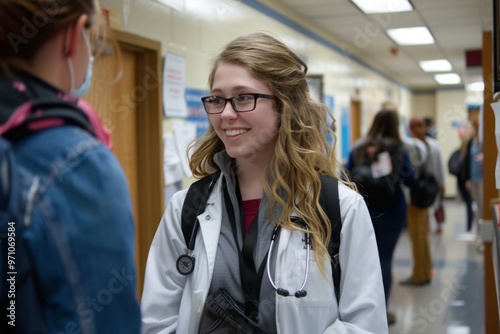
(26, 25)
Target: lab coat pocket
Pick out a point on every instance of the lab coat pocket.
(319, 287)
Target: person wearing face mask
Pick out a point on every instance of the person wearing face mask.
(78, 228)
(430, 126)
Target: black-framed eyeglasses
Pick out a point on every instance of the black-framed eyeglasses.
(240, 103)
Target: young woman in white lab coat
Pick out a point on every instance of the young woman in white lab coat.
(267, 138)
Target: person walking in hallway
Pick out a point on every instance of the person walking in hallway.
(470, 177)
(418, 218)
(383, 141)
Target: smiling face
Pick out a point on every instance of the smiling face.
(247, 136)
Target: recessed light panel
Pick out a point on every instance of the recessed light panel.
(438, 65)
(383, 6)
(447, 79)
(411, 36)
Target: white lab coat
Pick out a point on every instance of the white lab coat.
(174, 303)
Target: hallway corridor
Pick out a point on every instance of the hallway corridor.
(453, 302)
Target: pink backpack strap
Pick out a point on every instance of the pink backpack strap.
(18, 117)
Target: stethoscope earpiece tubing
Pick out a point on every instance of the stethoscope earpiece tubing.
(307, 240)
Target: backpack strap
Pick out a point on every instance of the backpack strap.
(35, 115)
(329, 200)
(194, 203)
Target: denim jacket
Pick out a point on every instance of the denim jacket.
(79, 229)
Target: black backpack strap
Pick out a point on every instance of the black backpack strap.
(45, 109)
(194, 203)
(329, 200)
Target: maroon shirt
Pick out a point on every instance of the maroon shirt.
(250, 209)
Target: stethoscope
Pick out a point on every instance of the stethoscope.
(307, 240)
(186, 262)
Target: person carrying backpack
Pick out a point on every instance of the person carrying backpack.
(427, 161)
(379, 164)
(258, 260)
(67, 239)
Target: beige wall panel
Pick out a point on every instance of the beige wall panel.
(424, 105)
(450, 107)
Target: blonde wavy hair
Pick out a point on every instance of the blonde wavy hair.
(302, 152)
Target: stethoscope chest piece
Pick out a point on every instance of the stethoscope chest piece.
(185, 264)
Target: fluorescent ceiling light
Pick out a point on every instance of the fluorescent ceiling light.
(411, 36)
(383, 6)
(438, 65)
(447, 79)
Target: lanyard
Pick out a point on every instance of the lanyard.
(250, 278)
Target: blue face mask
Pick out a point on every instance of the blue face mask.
(85, 87)
(432, 132)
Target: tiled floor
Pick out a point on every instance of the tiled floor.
(453, 302)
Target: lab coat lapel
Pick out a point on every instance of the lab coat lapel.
(210, 224)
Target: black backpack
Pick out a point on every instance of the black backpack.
(198, 194)
(18, 292)
(425, 190)
(455, 163)
(378, 192)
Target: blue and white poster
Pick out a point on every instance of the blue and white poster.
(196, 113)
(345, 124)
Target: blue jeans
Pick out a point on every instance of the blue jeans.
(387, 233)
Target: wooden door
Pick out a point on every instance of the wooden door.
(118, 116)
(355, 120)
(135, 124)
(118, 113)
